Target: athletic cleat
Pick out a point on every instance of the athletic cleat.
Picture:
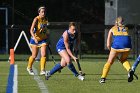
(42, 72)
(81, 73)
(30, 71)
(80, 77)
(130, 75)
(47, 75)
(102, 80)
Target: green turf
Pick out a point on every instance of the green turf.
(65, 82)
(4, 72)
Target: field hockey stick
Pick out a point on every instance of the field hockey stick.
(51, 54)
(77, 61)
(134, 73)
(52, 57)
(79, 68)
(76, 52)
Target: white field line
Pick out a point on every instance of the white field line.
(39, 81)
(15, 79)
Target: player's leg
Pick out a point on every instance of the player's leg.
(66, 61)
(69, 63)
(57, 67)
(72, 68)
(126, 65)
(38, 57)
(124, 61)
(113, 54)
(74, 71)
(31, 59)
(43, 60)
(137, 61)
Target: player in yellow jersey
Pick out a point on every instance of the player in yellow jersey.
(119, 45)
(39, 35)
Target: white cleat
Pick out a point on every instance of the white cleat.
(47, 75)
(102, 80)
(42, 72)
(80, 77)
(30, 71)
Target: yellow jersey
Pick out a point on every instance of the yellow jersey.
(120, 32)
(41, 31)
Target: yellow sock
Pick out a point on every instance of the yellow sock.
(106, 70)
(126, 65)
(43, 63)
(30, 62)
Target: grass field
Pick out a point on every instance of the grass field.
(65, 82)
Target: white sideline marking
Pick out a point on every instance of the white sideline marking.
(15, 86)
(40, 83)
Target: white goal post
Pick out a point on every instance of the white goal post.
(19, 38)
(6, 23)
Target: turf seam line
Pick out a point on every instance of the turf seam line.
(40, 82)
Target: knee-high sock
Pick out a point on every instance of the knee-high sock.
(30, 62)
(106, 70)
(137, 61)
(126, 65)
(55, 68)
(72, 68)
(42, 63)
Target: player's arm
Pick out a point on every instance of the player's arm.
(32, 29)
(109, 39)
(65, 36)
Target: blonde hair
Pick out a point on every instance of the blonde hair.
(119, 20)
(42, 7)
